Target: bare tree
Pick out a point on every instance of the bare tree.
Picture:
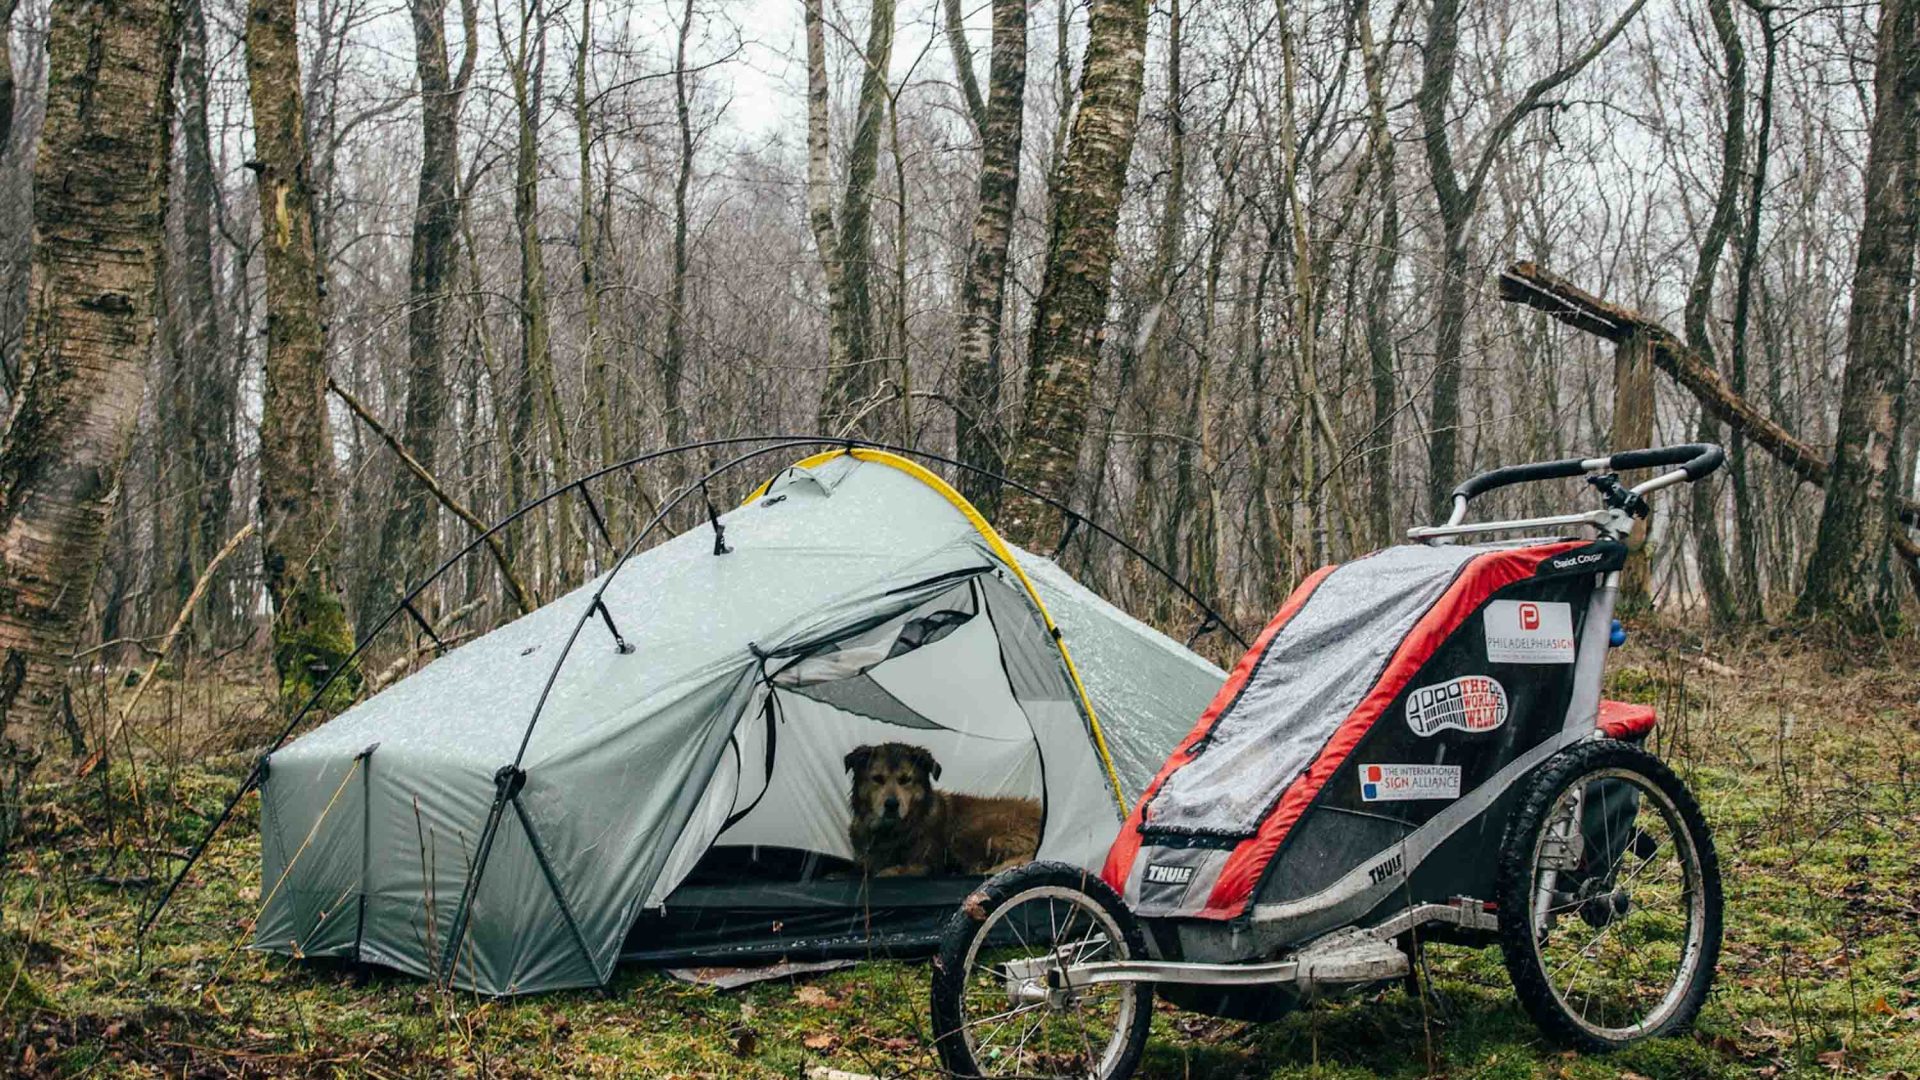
(1458, 199)
(1069, 321)
(406, 535)
(983, 290)
(1846, 574)
(853, 372)
(299, 501)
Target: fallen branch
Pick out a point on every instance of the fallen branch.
(1530, 285)
(520, 595)
(166, 645)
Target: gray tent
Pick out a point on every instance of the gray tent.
(688, 798)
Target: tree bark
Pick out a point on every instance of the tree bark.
(1379, 323)
(983, 290)
(1071, 314)
(673, 358)
(407, 534)
(1633, 411)
(299, 505)
(1848, 565)
(853, 376)
(100, 193)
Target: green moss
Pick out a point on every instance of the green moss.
(1635, 684)
(311, 638)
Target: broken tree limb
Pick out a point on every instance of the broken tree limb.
(1535, 287)
(166, 644)
(520, 595)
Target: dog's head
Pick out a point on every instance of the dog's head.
(892, 781)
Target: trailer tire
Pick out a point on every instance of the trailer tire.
(1523, 942)
(992, 904)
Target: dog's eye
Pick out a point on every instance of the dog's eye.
(878, 778)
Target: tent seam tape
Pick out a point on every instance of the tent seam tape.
(1000, 549)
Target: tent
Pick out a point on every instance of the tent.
(685, 792)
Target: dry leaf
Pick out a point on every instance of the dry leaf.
(814, 998)
(822, 1041)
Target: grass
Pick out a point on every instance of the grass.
(1808, 764)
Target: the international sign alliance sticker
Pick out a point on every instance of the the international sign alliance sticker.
(1469, 703)
(1404, 783)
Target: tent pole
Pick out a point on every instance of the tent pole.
(625, 467)
(506, 784)
(366, 844)
(553, 883)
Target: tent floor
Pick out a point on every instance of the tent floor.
(761, 922)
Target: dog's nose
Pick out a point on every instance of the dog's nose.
(892, 805)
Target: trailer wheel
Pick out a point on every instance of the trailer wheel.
(995, 1013)
(1609, 897)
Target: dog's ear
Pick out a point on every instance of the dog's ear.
(858, 757)
(924, 758)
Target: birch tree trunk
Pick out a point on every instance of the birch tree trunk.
(100, 191)
(1848, 567)
(299, 506)
(1070, 316)
(983, 290)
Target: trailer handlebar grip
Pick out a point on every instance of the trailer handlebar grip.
(1697, 459)
(1475, 486)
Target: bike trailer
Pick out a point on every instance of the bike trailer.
(1351, 760)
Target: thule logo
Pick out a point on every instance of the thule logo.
(1387, 869)
(1163, 874)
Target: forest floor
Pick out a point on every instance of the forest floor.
(1807, 762)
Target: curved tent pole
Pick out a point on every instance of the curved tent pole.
(1074, 518)
(510, 778)
(254, 776)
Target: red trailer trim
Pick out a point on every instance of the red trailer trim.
(1127, 845)
(1238, 879)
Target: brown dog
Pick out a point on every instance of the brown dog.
(902, 825)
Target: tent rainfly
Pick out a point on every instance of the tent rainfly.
(810, 745)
